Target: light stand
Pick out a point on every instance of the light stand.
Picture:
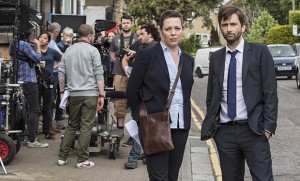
(15, 47)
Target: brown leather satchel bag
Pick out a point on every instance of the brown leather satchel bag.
(155, 127)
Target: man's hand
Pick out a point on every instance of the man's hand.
(268, 135)
(100, 103)
(35, 41)
(129, 53)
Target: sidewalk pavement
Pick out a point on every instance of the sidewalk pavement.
(32, 164)
(196, 164)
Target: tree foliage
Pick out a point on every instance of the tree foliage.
(190, 45)
(260, 27)
(294, 17)
(214, 37)
(279, 9)
(252, 9)
(150, 10)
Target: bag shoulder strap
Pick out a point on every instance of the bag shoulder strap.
(131, 39)
(122, 40)
(172, 92)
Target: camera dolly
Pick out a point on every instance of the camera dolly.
(13, 116)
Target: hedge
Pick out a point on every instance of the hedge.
(281, 34)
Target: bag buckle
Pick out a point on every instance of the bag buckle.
(172, 92)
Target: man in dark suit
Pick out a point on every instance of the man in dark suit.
(242, 103)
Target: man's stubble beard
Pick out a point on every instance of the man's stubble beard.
(233, 41)
(126, 31)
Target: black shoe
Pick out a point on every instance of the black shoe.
(49, 136)
(131, 165)
(127, 143)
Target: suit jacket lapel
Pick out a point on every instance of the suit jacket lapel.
(161, 59)
(221, 61)
(246, 60)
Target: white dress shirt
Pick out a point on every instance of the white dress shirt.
(241, 112)
(176, 108)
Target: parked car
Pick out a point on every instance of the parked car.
(284, 58)
(296, 47)
(202, 61)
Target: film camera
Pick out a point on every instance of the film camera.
(103, 47)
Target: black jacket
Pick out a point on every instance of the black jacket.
(150, 81)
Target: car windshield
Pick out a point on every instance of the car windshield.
(281, 51)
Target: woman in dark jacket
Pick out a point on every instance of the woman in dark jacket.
(151, 80)
(49, 56)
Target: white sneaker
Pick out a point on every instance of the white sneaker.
(86, 164)
(36, 144)
(61, 162)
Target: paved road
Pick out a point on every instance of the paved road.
(285, 144)
(40, 164)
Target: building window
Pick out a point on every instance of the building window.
(204, 38)
(66, 6)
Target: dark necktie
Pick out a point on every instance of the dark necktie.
(231, 86)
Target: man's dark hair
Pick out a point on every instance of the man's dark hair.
(98, 34)
(126, 16)
(24, 36)
(84, 30)
(151, 29)
(169, 14)
(226, 12)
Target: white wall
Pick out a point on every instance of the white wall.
(94, 12)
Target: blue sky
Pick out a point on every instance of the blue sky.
(225, 1)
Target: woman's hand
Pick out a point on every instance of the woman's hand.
(35, 41)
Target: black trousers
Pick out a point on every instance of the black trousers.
(165, 166)
(32, 97)
(239, 143)
(56, 95)
(46, 95)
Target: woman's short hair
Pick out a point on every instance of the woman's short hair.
(170, 14)
(46, 33)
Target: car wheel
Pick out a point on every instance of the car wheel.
(199, 73)
(298, 80)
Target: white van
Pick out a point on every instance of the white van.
(202, 61)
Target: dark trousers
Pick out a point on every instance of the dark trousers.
(46, 95)
(56, 95)
(239, 143)
(32, 97)
(165, 166)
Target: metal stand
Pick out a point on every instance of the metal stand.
(5, 172)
